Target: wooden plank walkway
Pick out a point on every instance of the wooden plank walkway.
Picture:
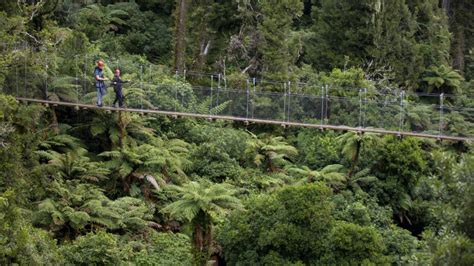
(251, 120)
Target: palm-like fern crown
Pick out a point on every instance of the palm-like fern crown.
(61, 143)
(66, 158)
(77, 205)
(264, 147)
(161, 159)
(135, 128)
(443, 76)
(207, 107)
(64, 88)
(351, 140)
(195, 197)
(331, 174)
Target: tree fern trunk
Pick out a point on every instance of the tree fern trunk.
(54, 120)
(355, 159)
(271, 167)
(198, 243)
(180, 34)
(121, 130)
(202, 237)
(207, 238)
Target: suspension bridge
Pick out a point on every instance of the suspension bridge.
(246, 120)
(214, 96)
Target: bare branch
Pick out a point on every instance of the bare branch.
(32, 37)
(35, 8)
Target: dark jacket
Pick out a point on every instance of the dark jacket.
(117, 83)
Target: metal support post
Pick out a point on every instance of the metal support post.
(24, 76)
(225, 82)
(402, 110)
(77, 78)
(322, 105)
(441, 106)
(17, 76)
(284, 101)
(141, 85)
(248, 99)
(210, 103)
(254, 81)
(326, 119)
(360, 108)
(365, 107)
(84, 78)
(289, 101)
(218, 88)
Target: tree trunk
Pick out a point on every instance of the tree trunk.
(198, 237)
(54, 122)
(460, 19)
(202, 237)
(459, 47)
(121, 125)
(355, 159)
(180, 34)
(201, 59)
(446, 4)
(271, 167)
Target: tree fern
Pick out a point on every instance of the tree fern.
(220, 108)
(159, 160)
(63, 88)
(274, 151)
(331, 175)
(352, 144)
(73, 165)
(74, 205)
(200, 204)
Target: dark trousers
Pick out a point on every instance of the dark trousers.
(118, 97)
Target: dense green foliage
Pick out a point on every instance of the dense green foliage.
(88, 187)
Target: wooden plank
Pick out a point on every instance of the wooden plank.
(258, 121)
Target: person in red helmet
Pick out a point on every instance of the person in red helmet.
(99, 82)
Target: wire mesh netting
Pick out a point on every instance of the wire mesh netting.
(306, 108)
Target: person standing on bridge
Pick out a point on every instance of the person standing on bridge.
(99, 82)
(117, 84)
